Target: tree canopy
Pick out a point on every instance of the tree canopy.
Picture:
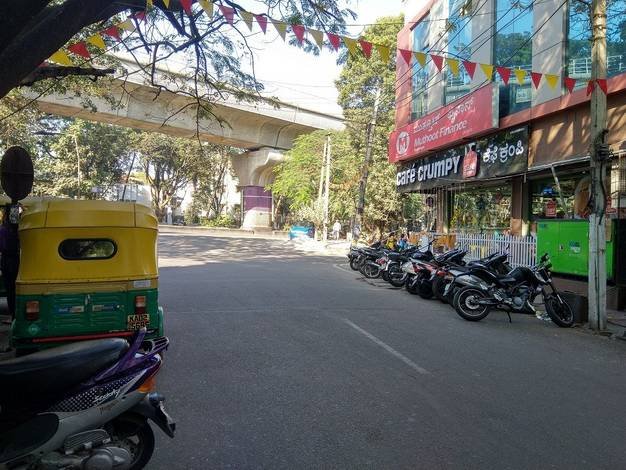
(32, 30)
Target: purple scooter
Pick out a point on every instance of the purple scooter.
(85, 405)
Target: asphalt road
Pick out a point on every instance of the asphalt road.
(285, 360)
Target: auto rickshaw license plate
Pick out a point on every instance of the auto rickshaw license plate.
(134, 322)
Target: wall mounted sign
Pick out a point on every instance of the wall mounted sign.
(501, 154)
(468, 116)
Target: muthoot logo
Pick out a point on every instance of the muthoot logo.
(402, 143)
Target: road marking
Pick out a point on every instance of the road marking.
(388, 348)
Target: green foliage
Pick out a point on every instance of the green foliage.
(209, 180)
(169, 165)
(224, 220)
(97, 155)
(298, 178)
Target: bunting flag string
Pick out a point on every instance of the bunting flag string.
(505, 74)
(487, 70)
(335, 41)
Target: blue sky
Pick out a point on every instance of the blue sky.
(300, 78)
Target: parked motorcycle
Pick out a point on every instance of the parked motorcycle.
(494, 263)
(85, 405)
(514, 292)
(421, 272)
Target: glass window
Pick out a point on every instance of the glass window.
(571, 203)
(513, 48)
(579, 40)
(481, 210)
(459, 47)
(84, 248)
(419, 79)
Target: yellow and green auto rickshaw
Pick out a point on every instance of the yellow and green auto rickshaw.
(88, 269)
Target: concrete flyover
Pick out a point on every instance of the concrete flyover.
(263, 129)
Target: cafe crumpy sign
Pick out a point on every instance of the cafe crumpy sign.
(505, 153)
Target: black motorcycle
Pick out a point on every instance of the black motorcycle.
(514, 292)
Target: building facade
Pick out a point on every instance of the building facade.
(491, 150)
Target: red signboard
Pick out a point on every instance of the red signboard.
(469, 116)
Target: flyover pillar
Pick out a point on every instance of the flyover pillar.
(254, 169)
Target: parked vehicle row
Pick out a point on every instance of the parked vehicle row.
(473, 288)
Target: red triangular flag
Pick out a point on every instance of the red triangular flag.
(590, 86)
(262, 20)
(536, 78)
(505, 74)
(298, 30)
(470, 68)
(570, 83)
(366, 47)
(140, 16)
(603, 85)
(437, 60)
(228, 12)
(113, 32)
(406, 54)
(334, 40)
(80, 49)
(186, 4)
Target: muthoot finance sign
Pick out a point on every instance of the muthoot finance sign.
(469, 116)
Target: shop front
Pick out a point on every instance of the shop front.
(472, 185)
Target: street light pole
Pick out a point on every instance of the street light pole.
(599, 154)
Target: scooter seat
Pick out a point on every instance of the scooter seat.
(40, 379)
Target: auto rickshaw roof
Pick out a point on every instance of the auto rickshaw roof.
(65, 213)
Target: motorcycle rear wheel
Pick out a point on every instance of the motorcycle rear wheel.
(385, 275)
(369, 271)
(397, 277)
(560, 313)
(425, 289)
(466, 306)
(354, 263)
(439, 286)
(411, 285)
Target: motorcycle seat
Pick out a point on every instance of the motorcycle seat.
(41, 378)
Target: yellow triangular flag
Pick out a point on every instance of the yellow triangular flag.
(487, 70)
(384, 52)
(149, 4)
(520, 75)
(552, 80)
(280, 27)
(126, 25)
(206, 6)
(97, 41)
(318, 36)
(421, 58)
(351, 45)
(247, 17)
(62, 58)
(166, 3)
(453, 65)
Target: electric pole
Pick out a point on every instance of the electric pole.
(327, 188)
(366, 163)
(599, 155)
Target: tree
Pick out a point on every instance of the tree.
(209, 181)
(169, 165)
(297, 179)
(32, 30)
(357, 86)
(85, 160)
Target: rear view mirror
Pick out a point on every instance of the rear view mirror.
(544, 258)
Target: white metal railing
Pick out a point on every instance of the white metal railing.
(522, 250)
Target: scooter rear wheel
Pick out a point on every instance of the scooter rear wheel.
(135, 435)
